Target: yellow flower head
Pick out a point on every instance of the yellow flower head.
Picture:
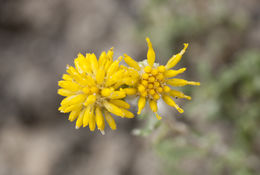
(93, 90)
(155, 80)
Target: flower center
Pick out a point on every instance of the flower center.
(152, 83)
(94, 90)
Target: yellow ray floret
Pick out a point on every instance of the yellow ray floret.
(95, 88)
(181, 82)
(176, 58)
(150, 53)
(131, 62)
(154, 83)
(111, 122)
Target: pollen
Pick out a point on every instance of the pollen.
(94, 89)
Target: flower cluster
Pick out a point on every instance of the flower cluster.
(96, 88)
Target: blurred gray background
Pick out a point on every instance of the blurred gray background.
(217, 134)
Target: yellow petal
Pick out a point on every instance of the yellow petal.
(181, 82)
(100, 119)
(141, 104)
(127, 113)
(80, 80)
(117, 76)
(88, 64)
(154, 108)
(66, 101)
(120, 103)
(69, 85)
(153, 105)
(79, 121)
(90, 100)
(157, 116)
(65, 92)
(90, 81)
(130, 81)
(92, 122)
(109, 60)
(114, 109)
(74, 99)
(67, 77)
(176, 58)
(107, 65)
(100, 76)
(173, 73)
(94, 90)
(113, 67)
(131, 72)
(93, 63)
(110, 54)
(102, 60)
(111, 122)
(175, 93)
(150, 53)
(171, 103)
(70, 108)
(71, 70)
(62, 108)
(73, 115)
(107, 92)
(117, 95)
(86, 116)
(130, 91)
(131, 62)
(80, 64)
(86, 90)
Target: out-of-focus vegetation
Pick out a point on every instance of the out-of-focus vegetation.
(221, 133)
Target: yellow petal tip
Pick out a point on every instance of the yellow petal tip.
(114, 128)
(102, 132)
(188, 98)
(158, 117)
(180, 110)
(196, 83)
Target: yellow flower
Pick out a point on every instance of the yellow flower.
(155, 80)
(93, 90)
